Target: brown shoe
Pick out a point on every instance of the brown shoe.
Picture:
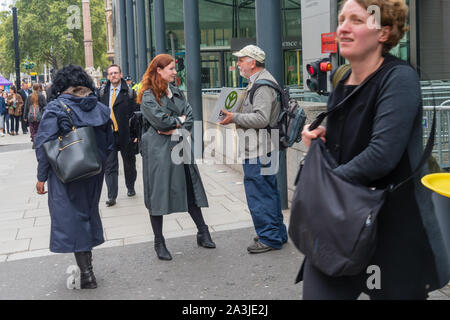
(259, 247)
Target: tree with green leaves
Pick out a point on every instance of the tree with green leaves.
(44, 26)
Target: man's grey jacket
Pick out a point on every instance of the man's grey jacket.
(263, 113)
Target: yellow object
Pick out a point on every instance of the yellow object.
(113, 117)
(137, 87)
(438, 182)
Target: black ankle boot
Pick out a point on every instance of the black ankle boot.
(87, 277)
(204, 239)
(161, 250)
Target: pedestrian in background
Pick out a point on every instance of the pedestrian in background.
(168, 187)
(48, 91)
(24, 94)
(6, 116)
(34, 108)
(75, 218)
(376, 139)
(120, 99)
(263, 197)
(15, 110)
(2, 114)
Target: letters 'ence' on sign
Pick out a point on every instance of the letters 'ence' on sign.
(329, 42)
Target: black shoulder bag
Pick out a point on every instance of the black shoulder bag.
(75, 155)
(333, 222)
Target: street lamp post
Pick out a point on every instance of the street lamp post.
(16, 47)
(69, 39)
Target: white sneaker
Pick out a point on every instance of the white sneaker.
(2, 134)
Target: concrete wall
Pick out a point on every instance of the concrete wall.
(294, 154)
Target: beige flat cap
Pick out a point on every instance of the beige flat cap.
(253, 52)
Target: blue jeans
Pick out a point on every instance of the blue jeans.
(264, 203)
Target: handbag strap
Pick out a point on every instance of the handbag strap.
(426, 154)
(319, 119)
(67, 111)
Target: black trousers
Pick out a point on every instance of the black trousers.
(15, 120)
(112, 170)
(194, 211)
(319, 286)
(24, 124)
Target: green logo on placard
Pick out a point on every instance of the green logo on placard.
(231, 100)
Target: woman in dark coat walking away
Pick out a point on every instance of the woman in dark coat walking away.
(75, 219)
(376, 138)
(168, 187)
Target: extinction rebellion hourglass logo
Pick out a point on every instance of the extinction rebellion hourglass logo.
(231, 100)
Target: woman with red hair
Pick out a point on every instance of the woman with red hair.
(169, 186)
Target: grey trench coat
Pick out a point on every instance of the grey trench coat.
(165, 181)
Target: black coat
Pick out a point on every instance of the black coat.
(24, 95)
(376, 139)
(75, 217)
(124, 106)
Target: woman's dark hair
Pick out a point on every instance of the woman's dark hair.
(70, 76)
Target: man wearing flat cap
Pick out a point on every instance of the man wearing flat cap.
(262, 193)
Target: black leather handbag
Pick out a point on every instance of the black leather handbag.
(75, 155)
(333, 222)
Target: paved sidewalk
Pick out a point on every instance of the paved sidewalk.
(25, 230)
(25, 220)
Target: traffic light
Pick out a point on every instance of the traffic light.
(180, 64)
(317, 70)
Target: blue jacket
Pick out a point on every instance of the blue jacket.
(2, 106)
(74, 212)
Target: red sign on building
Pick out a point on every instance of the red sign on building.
(329, 42)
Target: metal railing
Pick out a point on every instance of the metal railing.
(435, 94)
(441, 150)
(296, 93)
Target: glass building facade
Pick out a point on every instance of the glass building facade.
(226, 26)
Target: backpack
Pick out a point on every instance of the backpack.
(292, 117)
(340, 72)
(35, 114)
(138, 126)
